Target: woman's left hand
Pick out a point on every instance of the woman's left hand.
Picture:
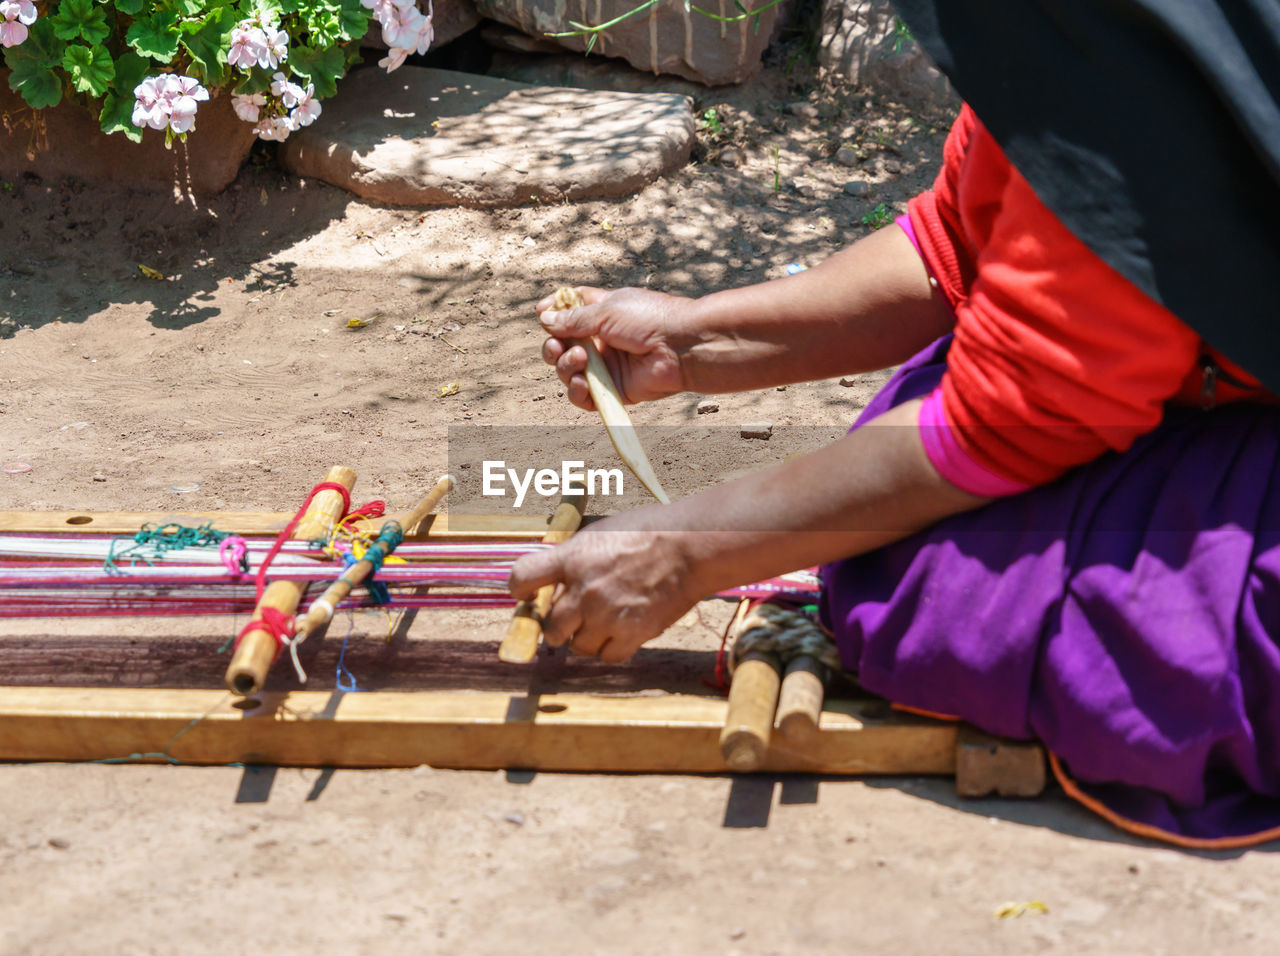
(615, 589)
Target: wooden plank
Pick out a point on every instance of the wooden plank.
(436, 527)
(670, 733)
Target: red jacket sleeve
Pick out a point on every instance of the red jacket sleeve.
(1057, 358)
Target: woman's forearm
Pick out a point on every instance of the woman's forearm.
(869, 306)
(873, 487)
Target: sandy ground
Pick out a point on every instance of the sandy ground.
(235, 381)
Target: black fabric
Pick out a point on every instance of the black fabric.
(1152, 129)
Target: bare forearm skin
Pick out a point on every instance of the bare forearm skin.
(867, 307)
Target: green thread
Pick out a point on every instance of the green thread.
(153, 542)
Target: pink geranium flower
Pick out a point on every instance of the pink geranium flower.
(169, 101)
(15, 17)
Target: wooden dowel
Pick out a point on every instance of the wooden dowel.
(753, 699)
(257, 650)
(321, 611)
(800, 700)
(520, 643)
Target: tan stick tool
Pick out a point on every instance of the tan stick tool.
(521, 641)
(604, 392)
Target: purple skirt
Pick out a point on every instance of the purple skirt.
(1126, 615)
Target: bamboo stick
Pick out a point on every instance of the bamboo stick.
(521, 641)
(321, 611)
(753, 699)
(800, 700)
(258, 648)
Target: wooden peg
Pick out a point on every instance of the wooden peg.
(800, 700)
(258, 649)
(753, 699)
(521, 641)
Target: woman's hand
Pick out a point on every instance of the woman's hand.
(637, 333)
(615, 590)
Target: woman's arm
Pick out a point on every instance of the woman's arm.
(626, 579)
(867, 307)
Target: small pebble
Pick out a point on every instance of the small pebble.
(803, 110)
(761, 430)
(892, 167)
(515, 816)
(857, 188)
(708, 406)
(781, 388)
(99, 477)
(738, 933)
(732, 157)
(847, 156)
(849, 381)
(58, 843)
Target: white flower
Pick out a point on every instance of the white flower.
(15, 17)
(248, 107)
(286, 91)
(167, 100)
(248, 45)
(307, 110)
(277, 47)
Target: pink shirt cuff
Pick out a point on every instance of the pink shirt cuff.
(903, 222)
(952, 462)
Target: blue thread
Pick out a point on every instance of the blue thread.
(344, 680)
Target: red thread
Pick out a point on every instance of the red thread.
(370, 509)
(276, 623)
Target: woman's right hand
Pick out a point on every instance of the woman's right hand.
(638, 333)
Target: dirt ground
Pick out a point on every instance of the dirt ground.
(236, 380)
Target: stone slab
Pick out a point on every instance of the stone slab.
(426, 137)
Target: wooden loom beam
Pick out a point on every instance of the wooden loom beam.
(457, 730)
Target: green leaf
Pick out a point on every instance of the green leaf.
(90, 68)
(256, 80)
(117, 107)
(80, 18)
(353, 20)
(190, 8)
(156, 36)
(129, 8)
(31, 66)
(208, 46)
(322, 67)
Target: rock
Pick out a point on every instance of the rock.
(514, 817)
(513, 41)
(803, 110)
(847, 156)
(892, 167)
(864, 41)
(670, 39)
(99, 477)
(585, 73)
(731, 157)
(441, 138)
(849, 381)
(857, 188)
(59, 843)
(78, 149)
(449, 20)
(760, 430)
(707, 406)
